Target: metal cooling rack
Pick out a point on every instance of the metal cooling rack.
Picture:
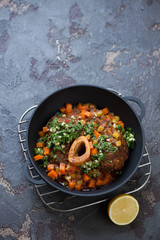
(62, 202)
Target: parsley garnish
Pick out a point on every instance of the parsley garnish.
(129, 136)
(88, 166)
(118, 127)
(62, 133)
(38, 151)
(89, 128)
(105, 146)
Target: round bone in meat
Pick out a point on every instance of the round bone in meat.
(79, 151)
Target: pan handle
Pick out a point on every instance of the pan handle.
(28, 176)
(140, 104)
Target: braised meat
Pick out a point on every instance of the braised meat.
(84, 147)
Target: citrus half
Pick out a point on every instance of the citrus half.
(123, 209)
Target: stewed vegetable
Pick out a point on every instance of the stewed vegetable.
(84, 147)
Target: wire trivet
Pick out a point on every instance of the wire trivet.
(62, 202)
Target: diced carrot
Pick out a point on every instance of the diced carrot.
(62, 168)
(71, 184)
(86, 178)
(68, 107)
(46, 151)
(85, 106)
(45, 129)
(92, 183)
(78, 187)
(70, 169)
(91, 145)
(79, 106)
(111, 116)
(88, 114)
(62, 109)
(105, 111)
(99, 182)
(50, 167)
(96, 133)
(120, 123)
(82, 107)
(83, 113)
(38, 157)
(41, 134)
(53, 174)
(39, 144)
(107, 178)
(94, 151)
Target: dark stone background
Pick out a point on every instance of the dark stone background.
(47, 45)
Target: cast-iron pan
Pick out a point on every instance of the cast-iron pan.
(101, 98)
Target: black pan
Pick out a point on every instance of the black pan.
(101, 98)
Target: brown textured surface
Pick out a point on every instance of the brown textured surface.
(47, 45)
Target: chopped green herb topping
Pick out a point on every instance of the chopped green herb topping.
(105, 146)
(118, 127)
(62, 133)
(89, 128)
(38, 151)
(88, 166)
(44, 162)
(129, 136)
